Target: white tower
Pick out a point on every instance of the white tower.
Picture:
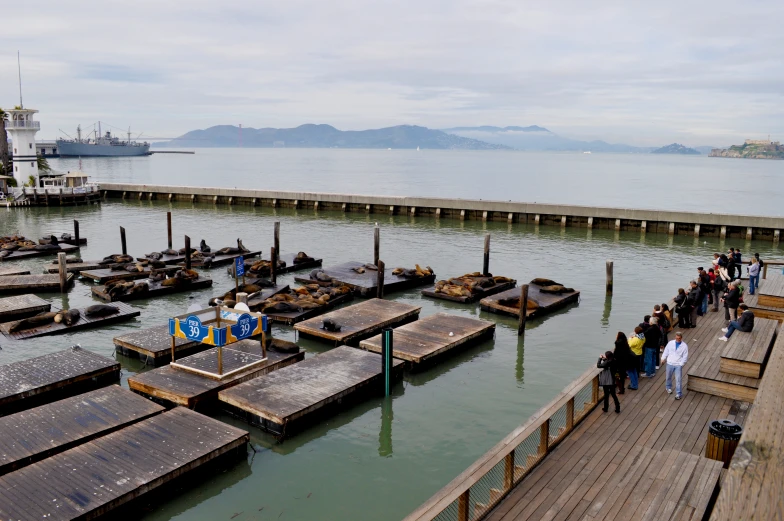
(22, 128)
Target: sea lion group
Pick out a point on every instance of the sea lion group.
(550, 286)
(68, 317)
(365, 267)
(12, 243)
(311, 296)
(468, 284)
(202, 255)
(416, 273)
(261, 268)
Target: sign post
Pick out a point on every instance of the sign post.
(386, 358)
(239, 271)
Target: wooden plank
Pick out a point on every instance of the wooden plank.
(153, 345)
(359, 321)
(19, 255)
(54, 376)
(478, 295)
(172, 387)
(771, 293)
(74, 267)
(126, 312)
(4, 272)
(286, 400)
(103, 275)
(37, 283)
(222, 363)
(432, 336)
(216, 260)
(155, 290)
(745, 353)
(364, 284)
(290, 267)
(97, 477)
(21, 306)
(44, 431)
(548, 302)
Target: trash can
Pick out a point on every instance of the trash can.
(723, 436)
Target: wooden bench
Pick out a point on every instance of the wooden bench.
(772, 294)
(745, 353)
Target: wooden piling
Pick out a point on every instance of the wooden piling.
(486, 264)
(523, 309)
(63, 270)
(169, 228)
(276, 237)
(380, 279)
(590, 223)
(609, 283)
(723, 233)
(122, 241)
(765, 271)
(76, 231)
(187, 252)
(242, 297)
(696, 231)
(748, 233)
(173, 345)
(273, 265)
(644, 226)
(376, 244)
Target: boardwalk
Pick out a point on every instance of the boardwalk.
(36, 283)
(125, 312)
(21, 306)
(153, 345)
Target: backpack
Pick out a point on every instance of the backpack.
(665, 322)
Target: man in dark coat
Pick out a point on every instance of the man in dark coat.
(745, 323)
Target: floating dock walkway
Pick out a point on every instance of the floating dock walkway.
(153, 345)
(5, 272)
(103, 275)
(291, 398)
(156, 289)
(126, 312)
(22, 306)
(547, 302)
(29, 254)
(102, 475)
(74, 267)
(366, 284)
(36, 283)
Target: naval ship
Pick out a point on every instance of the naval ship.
(104, 145)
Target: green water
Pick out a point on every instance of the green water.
(381, 459)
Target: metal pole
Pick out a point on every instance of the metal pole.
(376, 244)
(386, 358)
(187, 252)
(169, 228)
(486, 265)
(122, 241)
(523, 309)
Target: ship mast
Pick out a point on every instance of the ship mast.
(19, 65)
(129, 134)
(79, 133)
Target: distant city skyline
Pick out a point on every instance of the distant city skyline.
(698, 73)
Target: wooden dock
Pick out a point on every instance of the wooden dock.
(156, 289)
(74, 267)
(746, 353)
(547, 302)
(5, 272)
(44, 431)
(217, 260)
(286, 400)
(294, 317)
(51, 377)
(760, 311)
(224, 363)
(53, 328)
(170, 386)
(359, 321)
(366, 284)
(36, 283)
(103, 275)
(431, 337)
(100, 476)
(476, 295)
(29, 254)
(153, 345)
(290, 267)
(771, 293)
(22, 306)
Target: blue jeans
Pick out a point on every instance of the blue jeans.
(753, 283)
(633, 377)
(705, 304)
(677, 371)
(731, 328)
(649, 364)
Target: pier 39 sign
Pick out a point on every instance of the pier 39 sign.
(244, 326)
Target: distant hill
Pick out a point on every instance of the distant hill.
(326, 136)
(676, 148)
(752, 150)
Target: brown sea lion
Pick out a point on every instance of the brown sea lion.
(555, 288)
(358, 269)
(331, 325)
(156, 255)
(282, 346)
(320, 276)
(29, 323)
(120, 288)
(281, 307)
(203, 247)
(140, 288)
(73, 260)
(68, 317)
(502, 280)
(170, 252)
(101, 310)
(545, 282)
(5, 253)
(302, 257)
(515, 303)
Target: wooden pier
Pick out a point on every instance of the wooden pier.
(51, 377)
(547, 302)
(29, 254)
(126, 312)
(429, 338)
(746, 353)
(290, 267)
(104, 275)
(44, 431)
(153, 345)
(224, 363)
(359, 321)
(170, 386)
(100, 476)
(22, 306)
(5, 272)
(74, 267)
(294, 317)
(479, 294)
(36, 283)
(216, 260)
(287, 400)
(771, 292)
(156, 289)
(366, 284)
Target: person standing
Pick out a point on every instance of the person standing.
(636, 343)
(703, 281)
(694, 299)
(622, 355)
(754, 275)
(731, 301)
(651, 348)
(682, 308)
(719, 287)
(607, 380)
(676, 354)
(667, 324)
(731, 264)
(745, 323)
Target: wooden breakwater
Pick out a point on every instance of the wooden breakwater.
(627, 219)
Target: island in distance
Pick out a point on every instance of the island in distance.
(676, 148)
(752, 149)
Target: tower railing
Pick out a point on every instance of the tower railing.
(11, 124)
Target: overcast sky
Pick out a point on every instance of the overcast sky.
(700, 73)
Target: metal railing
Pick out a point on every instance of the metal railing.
(22, 124)
(475, 492)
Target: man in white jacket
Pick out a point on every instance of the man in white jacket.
(676, 353)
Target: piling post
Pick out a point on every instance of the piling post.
(723, 233)
(486, 264)
(169, 228)
(776, 236)
(671, 229)
(380, 279)
(748, 233)
(386, 359)
(273, 265)
(62, 269)
(76, 231)
(510, 218)
(617, 225)
(696, 231)
(462, 215)
(609, 283)
(536, 219)
(484, 216)
(187, 252)
(523, 309)
(590, 223)
(173, 344)
(644, 226)
(276, 237)
(438, 213)
(376, 244)
(242, 297)
(122, 241)
(765, 271)
(563, 221)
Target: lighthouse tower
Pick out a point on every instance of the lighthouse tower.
(22, 128)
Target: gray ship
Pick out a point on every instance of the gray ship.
(105, 145)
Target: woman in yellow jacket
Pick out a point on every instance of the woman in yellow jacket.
(636, 342)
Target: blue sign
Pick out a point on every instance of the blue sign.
(239, 266)
(246, 327)
(192, 329)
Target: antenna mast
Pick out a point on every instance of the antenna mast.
(19, 65)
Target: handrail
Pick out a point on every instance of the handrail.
(501, 468)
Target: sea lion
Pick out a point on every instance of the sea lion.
(502, 280)
(358, 269)
(302, 257)
(47, 247)
(29, 323)
(282, 346)
(331, 325)
(555, 288)
(545, 282)
(120, 288)
(320, 276)
(514, 302)
(116, 259)
(5, 253)
(140, 288)
(66, 236)
(203, 247)
(169, 252)
(233, 251)
(68, 317)
(157, 276)
(73, 260)
(281, 307)
(156, 255)
(156, 264)
(101, 310)
(134, 268)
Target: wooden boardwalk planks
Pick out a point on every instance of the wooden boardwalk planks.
(173, 387)
(359, 321)
(4, 272)
(153, 345)
(745, 353)
(103, 275)
(74, 267)
(96, 478)
(53, 328)
(761, 311)
(224, 364)
(429, 337)
(39, 433)
(548, 302)
(286, 400)
(46, 378)
(37, 283)
(156, 290)
(771, 293)
(21, 306)
(366, 284)
(18, 255)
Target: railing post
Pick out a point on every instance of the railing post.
(595, 390)
(462, 506)
(509, 464)
(570, 415)
(544, 437)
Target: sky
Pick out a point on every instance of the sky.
(641, 73)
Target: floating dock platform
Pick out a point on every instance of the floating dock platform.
(126, 312)
(71, 240)
(475, 296)
(29, 254)
(287, 400)
(431, 337)
(22, 306)
(217, 260)
(74, 267)
(359, 321)
(44, 431)
(153, 345)
(96, 478)
(771, 293)
(548, 302)
(51, 377)
(156, 290)
(290, 267)
(5, 272)
(37, 283)
(290, 318)
(169, 386)
(366, 284)
(746, 353)
(103, 275)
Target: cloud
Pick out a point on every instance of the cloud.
(642, 73)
